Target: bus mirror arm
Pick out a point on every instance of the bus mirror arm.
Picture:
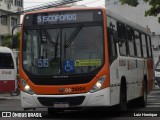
(14, 41)
(114, 33)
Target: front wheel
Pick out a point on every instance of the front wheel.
(15, 93)
(123, 97)
(123, 100)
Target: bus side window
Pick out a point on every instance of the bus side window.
(131, 42)
(122, 39)
(144, 45)
(138, 44)
(112, 45)
(149, 47)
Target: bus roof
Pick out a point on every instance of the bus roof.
(65, 9)
(127, 21)
(5, 50)
(109, 13)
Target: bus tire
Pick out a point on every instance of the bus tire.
(123, 97)
(15, 93)
(143, 99)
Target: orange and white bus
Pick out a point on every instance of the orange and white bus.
(83, 57)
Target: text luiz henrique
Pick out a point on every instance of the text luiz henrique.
(145, 114)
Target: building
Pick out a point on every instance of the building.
(7, 18)
(136, 14)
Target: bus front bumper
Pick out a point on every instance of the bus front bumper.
(97, 99)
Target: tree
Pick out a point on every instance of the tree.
(153, 11)
(7, 40)
(18, 40)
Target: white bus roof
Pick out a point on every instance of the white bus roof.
(5, 50)
(126, 21)
(109, 13)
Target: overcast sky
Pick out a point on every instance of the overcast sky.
(33, 3)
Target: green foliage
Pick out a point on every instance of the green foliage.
(18, 38)
(133, 3)
(7, 40)
(153, 11)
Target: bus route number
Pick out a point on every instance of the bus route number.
(43, 63)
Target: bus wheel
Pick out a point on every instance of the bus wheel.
(143, 99)
(15, 93)
(123, 98)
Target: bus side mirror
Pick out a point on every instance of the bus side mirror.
(14, 37)
(114, 33)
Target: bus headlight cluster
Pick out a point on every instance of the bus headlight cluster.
(26, 87)
(98, 84)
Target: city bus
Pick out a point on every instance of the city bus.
(83, 57)
(8, 71)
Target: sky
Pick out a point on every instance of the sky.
(33, 3)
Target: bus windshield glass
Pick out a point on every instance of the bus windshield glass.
(58, 49)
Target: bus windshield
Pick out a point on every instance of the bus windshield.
(69, 50)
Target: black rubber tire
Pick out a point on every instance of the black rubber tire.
(15, 93)
(123, 98)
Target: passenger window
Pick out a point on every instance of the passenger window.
(122, 39)
(149, 47)
(112, 45)
(138, 43)
(144, 45)
(131, 42)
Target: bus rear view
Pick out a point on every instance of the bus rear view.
(8, 71)
(63, 59)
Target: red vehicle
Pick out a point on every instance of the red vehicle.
(8, 71)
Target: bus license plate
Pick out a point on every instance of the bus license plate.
(60, 105)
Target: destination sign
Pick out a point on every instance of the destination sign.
(63, 17)
(56, 18)
(72, 17)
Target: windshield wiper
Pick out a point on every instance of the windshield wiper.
(49, 37)
(56, 47)
(72, 36)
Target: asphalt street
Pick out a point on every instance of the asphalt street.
(13, 104)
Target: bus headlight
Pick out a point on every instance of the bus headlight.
(98, 84)
(26, 87)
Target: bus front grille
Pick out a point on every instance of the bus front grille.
(72, 101)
